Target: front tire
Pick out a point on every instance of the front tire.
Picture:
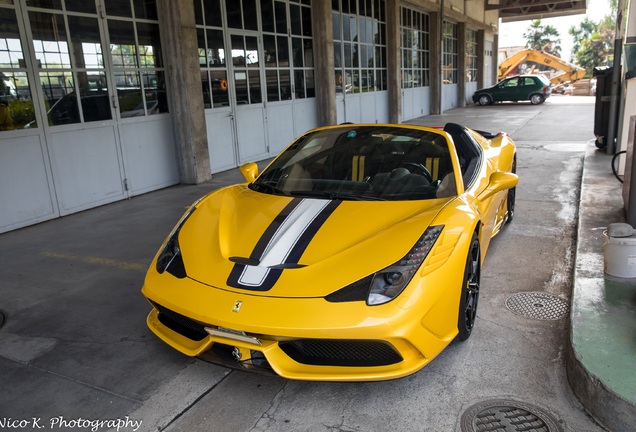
(470, 291)
(484, 100)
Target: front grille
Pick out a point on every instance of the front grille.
(337, 352)
(180, 324)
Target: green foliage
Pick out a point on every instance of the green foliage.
(21, 112)
(594, 41)
(543, 38)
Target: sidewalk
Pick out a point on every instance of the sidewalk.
(601, 361)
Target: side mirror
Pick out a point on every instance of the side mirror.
(249, 171)
(499, 181)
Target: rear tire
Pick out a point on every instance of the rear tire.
(536, 99)
(484, 100)
(470, 291)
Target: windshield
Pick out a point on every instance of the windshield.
(362, 163)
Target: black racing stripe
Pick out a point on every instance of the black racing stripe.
(262, 243)
(311, 231)
(295, 254)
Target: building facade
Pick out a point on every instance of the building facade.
(104, 100)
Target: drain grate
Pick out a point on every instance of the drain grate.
(507, 416)
(538, 305)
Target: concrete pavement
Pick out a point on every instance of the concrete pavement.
(75, 347)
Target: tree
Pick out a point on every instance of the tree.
(543, 38)
(594, 41)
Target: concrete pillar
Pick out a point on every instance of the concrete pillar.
(436, 63)
(495, 56)
(322, 28)
(183, 76)
(481, 59)
(394, 59)
(461, 64)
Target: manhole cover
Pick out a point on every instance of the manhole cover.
(507, 416)
(538, 305)
(3, 318)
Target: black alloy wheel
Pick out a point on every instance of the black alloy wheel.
(470, 291)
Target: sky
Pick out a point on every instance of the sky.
(511, 34)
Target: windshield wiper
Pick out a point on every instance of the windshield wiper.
(266, 187)
(335, 196)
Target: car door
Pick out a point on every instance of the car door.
(507, 90)
(528, 86)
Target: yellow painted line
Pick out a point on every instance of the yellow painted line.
(105, 262)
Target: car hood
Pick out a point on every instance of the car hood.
(271, 245)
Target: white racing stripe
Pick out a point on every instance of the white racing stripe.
(283, 241)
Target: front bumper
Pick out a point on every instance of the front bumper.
(304, 338)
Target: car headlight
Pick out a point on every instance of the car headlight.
(391, 281)
(170, 258)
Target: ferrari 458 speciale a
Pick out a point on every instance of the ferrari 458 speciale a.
(354, 256)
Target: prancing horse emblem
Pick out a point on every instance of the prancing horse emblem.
(237, 306)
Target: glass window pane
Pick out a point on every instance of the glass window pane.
(145, 9)
(238, 51)
(16, 106)
(129, 94)
(45, 4)
(299, 81)
(216, 48)
(306, 17)
(118, 8)
(255, 87)
(294, 17)
(49, 40)
(240, 86)
(122, 44)
(285, 85)
(94, 96)
(336, 26)
(149, 45)
(347, 55)
(353, 28)
(212, 10)
(250, 18)
(155, 92)
(86, 6)
(205, 89)
(267, 16)
(61, 98)
(233, 10)
(283, 51)
(269, 47)
(198, 12)
(310, 86)
(11, 55)
(251, 51)
(271, 78)
(86, 42)
(281, 17)
(201, 48)
(219, 88)
(297, 48)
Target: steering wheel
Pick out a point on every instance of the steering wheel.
(418, 168)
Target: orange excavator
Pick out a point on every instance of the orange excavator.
(567, 71)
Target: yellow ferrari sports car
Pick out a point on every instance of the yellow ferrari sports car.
(354, 256)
